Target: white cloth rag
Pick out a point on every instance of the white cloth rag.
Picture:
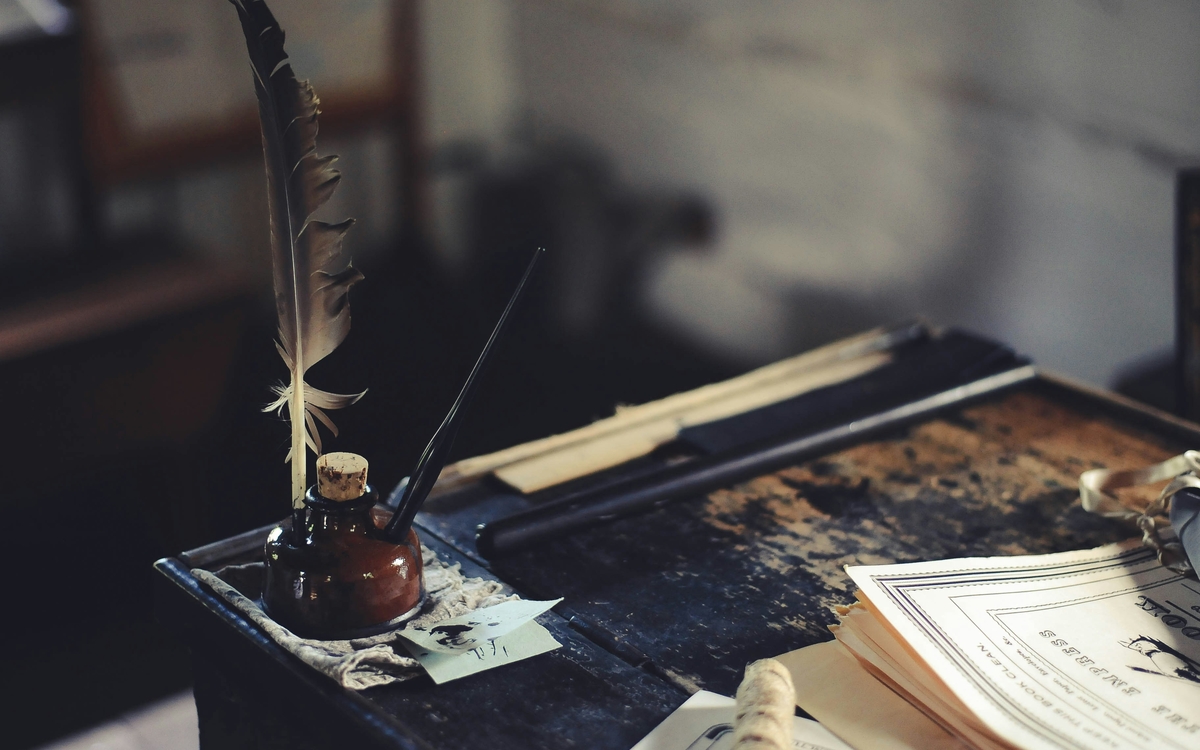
(361, 663)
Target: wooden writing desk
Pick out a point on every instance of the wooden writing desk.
(682, 597)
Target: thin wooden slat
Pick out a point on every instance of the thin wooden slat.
(636, 430)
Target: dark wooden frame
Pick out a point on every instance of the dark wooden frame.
(117, 155)
(45, 71)
(1187, 291)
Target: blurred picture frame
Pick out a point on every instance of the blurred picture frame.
(168, 87)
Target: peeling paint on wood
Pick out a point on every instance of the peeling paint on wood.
(704, 586)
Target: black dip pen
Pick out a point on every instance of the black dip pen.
(434, 457)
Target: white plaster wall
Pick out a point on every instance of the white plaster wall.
(1006, 166)
(469, 87)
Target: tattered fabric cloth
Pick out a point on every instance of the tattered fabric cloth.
(360, 663)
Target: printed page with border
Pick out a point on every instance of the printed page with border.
(1090, 649)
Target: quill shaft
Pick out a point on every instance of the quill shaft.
(299, 461)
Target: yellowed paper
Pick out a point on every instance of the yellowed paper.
(835, 690)
(1090, 649)
(887, 660)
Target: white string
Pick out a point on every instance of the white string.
(1096, 493)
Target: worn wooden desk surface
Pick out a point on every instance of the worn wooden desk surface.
(681, 598)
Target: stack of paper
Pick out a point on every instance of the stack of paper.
(1091, 649)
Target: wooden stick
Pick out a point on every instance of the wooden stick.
(637, 430)
(638, 439)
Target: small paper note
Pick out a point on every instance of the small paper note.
(474, 629)
(529, 639)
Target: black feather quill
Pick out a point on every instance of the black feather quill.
(312, 272)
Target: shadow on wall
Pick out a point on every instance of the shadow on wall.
(1005, 168)
(624, 257)
(603, 235)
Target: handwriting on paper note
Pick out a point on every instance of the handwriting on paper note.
(473, 630)
(529, 639)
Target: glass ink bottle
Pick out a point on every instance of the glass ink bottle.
(339, 576)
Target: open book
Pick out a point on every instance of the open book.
(1090, 649)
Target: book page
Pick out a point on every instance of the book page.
(835, 690)
(705, 722)
(1090, 649)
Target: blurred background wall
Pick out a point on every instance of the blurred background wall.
(1007, 167)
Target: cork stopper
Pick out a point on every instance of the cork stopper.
(341, 476)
